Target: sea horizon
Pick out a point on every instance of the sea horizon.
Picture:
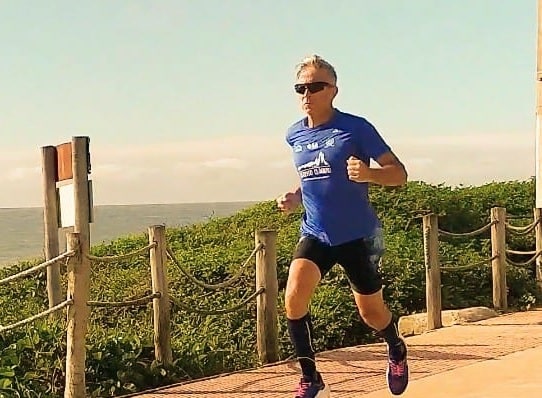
(23, 228)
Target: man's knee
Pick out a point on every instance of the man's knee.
(373, 314)
(373, 310)
(295, 306)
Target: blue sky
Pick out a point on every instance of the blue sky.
(189, 100)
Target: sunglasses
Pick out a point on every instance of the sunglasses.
(313, 87)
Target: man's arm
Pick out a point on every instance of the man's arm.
(289, 201)
(391, 172)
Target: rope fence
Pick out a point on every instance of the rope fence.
(110, 259)
(522, 230)
(266, 293)
(37, 316)
(467, 234)
(36, 268)
(236, 307)
(217, 286)
(498, 260)
(30, 271)
(525, 263)
(128, 303)
(518, 252)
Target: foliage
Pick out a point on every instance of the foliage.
(120, 343)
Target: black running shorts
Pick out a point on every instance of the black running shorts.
(359, 258)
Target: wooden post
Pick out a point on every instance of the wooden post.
(161, 306)
(77, 321)
(79, 312)
(266, 277)
(498, 251)
(50, 221)
(432, 272)
(538, 240)
(538, 124)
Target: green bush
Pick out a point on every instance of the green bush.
(120, 351)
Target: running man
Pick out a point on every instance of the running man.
(332, 151)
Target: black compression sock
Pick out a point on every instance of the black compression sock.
(301, 337)
(391, 334)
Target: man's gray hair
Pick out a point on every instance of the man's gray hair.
(317, 62)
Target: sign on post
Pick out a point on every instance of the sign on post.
(65, 191)
(59, 204)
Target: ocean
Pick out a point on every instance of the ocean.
(23, 236)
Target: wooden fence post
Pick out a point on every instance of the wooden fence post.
(77, 321)
(538, 237)
(432, 272)
(161, 306)
(498, 253)
(78, 313)
(266, 277)
(50, 221)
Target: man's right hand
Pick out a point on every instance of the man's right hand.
(289, 201)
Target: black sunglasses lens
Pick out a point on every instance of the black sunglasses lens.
(313, 87)
(300, 88)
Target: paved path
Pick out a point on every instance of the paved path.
(497, 358)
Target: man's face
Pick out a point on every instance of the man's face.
(322, 86)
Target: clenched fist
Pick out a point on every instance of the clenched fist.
(357, 170)
(289, 201)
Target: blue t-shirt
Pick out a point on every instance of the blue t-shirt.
(337, 210)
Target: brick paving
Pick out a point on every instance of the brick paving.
(360, 370)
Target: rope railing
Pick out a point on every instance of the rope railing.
(467, 234)
(523, 230)
(187, 308)
(217, 286)
(499, 261)
(37, 316)
(521, 253)
(124, 256)
(265, 295)
(485, 262)
(434, 269)
(37, 268)
(128, 303)
(525, 263)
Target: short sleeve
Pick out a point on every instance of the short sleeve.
(287, 137)
(370, 141)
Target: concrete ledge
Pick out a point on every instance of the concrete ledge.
(417, 323)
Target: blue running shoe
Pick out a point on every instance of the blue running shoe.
(312, 388)
(397, 372)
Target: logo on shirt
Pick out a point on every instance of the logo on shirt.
(312, 145)
(315, 169)
(329, 143)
